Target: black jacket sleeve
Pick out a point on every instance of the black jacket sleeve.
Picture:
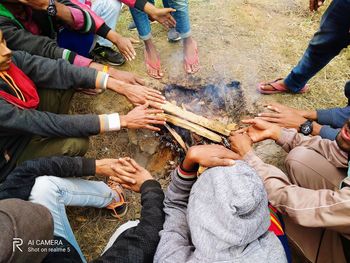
(20, 181)
(139, 244)
(54, 74)
(20, 39)
(15, 121)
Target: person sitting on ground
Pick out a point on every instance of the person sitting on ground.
(55, 183)
(35, 95)
(190, 50)
(314, 195)
(222, 216)
(323, 122)
(332, 36)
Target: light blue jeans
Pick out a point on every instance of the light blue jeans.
(181, 16)
(56, 193)
(109, 11)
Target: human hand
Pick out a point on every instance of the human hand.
(142, 118)
(126, 76)
(208, 156)
(260, 130)
(130, 174)
(241, 143)
(104, 167)
(162, 15)
(284, 116)
(125, 46)
(138, 95)
(36, 4)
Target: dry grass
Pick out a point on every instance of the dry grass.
(247, 40)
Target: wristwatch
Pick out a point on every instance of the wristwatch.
(306, 128)
(52, 10)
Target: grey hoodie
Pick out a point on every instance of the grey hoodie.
(224, 218)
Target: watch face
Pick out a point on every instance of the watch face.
(51, 10)
(306, 129)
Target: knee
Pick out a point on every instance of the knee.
(44, 191)
(296, 158)
(76, 146)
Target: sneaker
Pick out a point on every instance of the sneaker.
(107, 55)
(132, 26)
(173, 35)
(118, 208)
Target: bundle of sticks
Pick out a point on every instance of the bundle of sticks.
(210, 129)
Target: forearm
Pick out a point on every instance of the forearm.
(20, 181)
(321, 208)
(64, 14)
(289, 139)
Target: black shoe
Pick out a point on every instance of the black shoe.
(108, 55)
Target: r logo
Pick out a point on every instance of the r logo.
(17, 243)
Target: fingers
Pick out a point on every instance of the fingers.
(222, 162)
(269, 114)
(155, 111)
(152, 128)
(135, 165)
(125, 186)
(240, 131)
(249, 121)
(150, 90)
(144, 106)
(268, 119)
(134, 41)
(140, 81)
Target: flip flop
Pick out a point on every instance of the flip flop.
(154, 66)
(278, 88)
(188, 62)
(313, 4)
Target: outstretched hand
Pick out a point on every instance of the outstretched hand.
(162, 15)
(126, 48)
(142, 118)
(283, 115)
(208, 156)
(138, 95)
(241, 143)
(260, 130)
(130, 174)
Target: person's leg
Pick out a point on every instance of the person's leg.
(191, 61)
(152, 58)
(332, 36)
(109, 11)
(55, 193)
(46, 147)
(55, 101)
(306, 168)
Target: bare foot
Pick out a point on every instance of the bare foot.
(269, 87)
(191, 59)
(152, 60)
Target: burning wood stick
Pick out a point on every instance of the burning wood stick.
(177, 137)
(193, 127)
(196, 119)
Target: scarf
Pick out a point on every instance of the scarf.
(24, 94)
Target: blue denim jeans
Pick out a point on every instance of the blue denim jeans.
(181, 16)
(332, 36)
(56, 193)
(109, 11)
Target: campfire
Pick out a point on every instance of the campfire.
(201, 115)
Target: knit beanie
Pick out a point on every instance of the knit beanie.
(227, 210)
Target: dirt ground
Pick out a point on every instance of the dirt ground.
(244, 40)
